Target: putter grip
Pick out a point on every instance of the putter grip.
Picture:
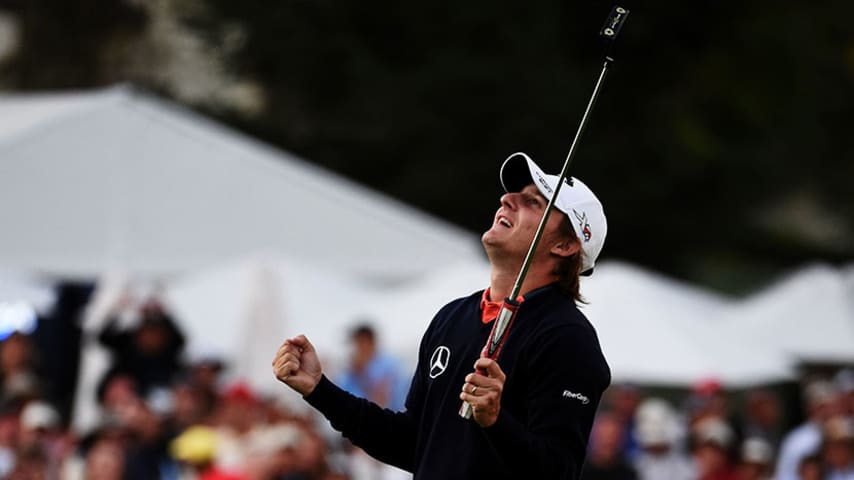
(614, 23)
(497, 337)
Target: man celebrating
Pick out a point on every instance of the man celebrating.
(533, 410)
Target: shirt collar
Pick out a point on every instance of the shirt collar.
(489, 309)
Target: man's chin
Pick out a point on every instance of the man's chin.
(493, 243)
(489, 237)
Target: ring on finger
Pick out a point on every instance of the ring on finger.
(473, 389)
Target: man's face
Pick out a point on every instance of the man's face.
(516, 223)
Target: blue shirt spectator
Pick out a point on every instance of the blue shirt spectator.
(373, 374)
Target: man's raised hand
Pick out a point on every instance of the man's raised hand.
(297, 366)
(483, 392)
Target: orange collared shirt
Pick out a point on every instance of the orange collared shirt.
(489, 309)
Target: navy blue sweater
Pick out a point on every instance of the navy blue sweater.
(556, 374)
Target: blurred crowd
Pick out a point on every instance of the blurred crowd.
(708, 435)
(163, 417)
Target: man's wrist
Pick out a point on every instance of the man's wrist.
(313, 387)
(321, 378)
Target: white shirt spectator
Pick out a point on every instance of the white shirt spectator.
(840, 475)
(800, 442)
(667, 466)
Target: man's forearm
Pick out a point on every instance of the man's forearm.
(386, 435)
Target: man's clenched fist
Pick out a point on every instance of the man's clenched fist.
(296, 364)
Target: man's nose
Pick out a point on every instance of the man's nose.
(510, 200)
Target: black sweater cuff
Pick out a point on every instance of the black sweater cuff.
(325, 395)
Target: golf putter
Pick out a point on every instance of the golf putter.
(510, 306)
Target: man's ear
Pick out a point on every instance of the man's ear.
(565, 247)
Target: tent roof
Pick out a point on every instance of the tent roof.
(244, 309)
(119, 180)
(21, 287)
(656, 330)
(652, 329)
(809, 315)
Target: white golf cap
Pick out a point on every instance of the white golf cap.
(575, 200)
(756, 450)
(39, 414)
(714, 431)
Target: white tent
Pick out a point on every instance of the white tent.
(809, 315)
(115, 180)
(243, 310)
(403, 315)
(652, 329)
(23, 287)
(848, 283)
(657, 330)
(22, 298)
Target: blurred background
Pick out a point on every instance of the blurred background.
(185, 183)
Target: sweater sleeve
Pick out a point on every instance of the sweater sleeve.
(113, 337)
(386, 435)
(567, 377)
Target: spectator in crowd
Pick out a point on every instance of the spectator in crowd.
(310, 458)
(139, 425)
(234, 434)
(272, 453)
(658, 433)
(762, 417)
(708, 399)
(119, 391)
(623, 400)
(147, 453)
(821, 404)
(756, 459)
(36, 443)
(8, 439)
(30, 465)
(105, 460)
(838, 448)
(605, 460)
(40, 436)
(20, 382)
(196, 449)
(713, 439)
(204, 377)
(372, 374)
(235, 419)
(150, 351)
(290, 451)
(100, 454)
(811, 468)
(189, 407)
(844, 383)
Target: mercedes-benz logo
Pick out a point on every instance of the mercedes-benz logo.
(439, 361)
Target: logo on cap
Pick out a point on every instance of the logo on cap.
(583, 224)
(544, 183)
